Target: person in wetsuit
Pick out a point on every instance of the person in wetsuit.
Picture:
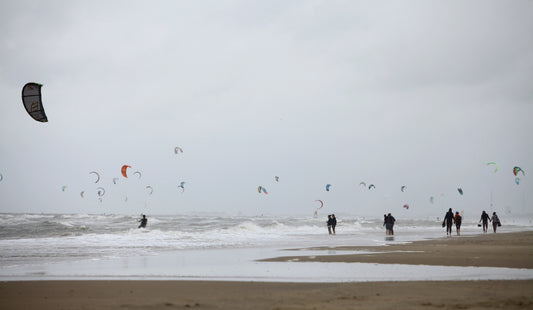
(485, 219)
(448, 219)
(143, 221)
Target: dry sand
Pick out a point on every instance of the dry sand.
(242, 295)
(501, 250)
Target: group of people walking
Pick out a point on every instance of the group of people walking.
(494, 219)
(450, 219)
(388, 222)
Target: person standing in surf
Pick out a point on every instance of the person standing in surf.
(333, 223)
(389, 224)
(448, 221)
(330, 223)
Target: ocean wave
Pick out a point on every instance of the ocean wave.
(103, 235)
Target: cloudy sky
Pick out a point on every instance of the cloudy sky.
(392, 93)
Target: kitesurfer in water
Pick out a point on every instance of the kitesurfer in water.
(448, 221)
(143, 221)
(485, 219)
(333, 223)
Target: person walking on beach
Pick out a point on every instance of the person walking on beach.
(448, 219)
(389, 224)
(330, 223)
(457, 220)
(495, 221)
(143, 221)
(333, 223)
(485, 219)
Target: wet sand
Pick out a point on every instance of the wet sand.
(513, 250)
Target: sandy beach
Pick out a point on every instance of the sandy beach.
(253, 295)
(511, 250)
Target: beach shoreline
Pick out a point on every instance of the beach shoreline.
(146, 294)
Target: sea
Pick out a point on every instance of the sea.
(207, 247)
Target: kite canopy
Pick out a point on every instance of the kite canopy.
(31, 98)
(406, 206)
(321, 203)
(1, 177)
(101, 191)
(495, 165)
(403, 188)
(124, 170)
(327, 187)
(151, 189)
(518, 169)
(178, 149)
(371, 186)
(97, 176)
(460, 190)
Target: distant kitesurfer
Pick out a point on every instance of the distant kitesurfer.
(143, 221)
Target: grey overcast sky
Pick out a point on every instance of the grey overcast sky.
(392, 93)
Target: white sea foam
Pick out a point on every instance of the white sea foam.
(28, 240)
